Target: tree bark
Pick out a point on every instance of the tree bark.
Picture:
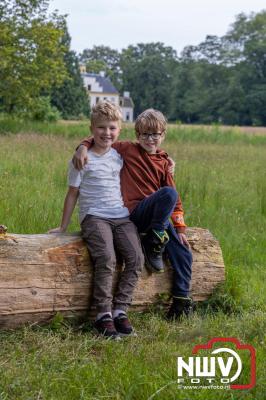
(44, 274)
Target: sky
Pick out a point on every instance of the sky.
(176, 23)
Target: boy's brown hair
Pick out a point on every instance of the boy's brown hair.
(150, 121)
(105, 110)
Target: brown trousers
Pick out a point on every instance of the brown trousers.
(102, 237)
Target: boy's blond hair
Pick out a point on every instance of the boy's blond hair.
(150, 121)
(105, 110)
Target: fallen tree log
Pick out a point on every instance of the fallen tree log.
(44, 274)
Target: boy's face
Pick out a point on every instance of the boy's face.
(150, 141)
(105, 133)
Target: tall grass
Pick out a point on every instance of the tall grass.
(223, 188)
(177, 133)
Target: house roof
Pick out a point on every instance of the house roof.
(103, 81)
(126, 101)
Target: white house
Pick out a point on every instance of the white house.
(99, 88)
(127, 106)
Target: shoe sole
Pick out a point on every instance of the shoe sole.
(124, 335)
(101, 335)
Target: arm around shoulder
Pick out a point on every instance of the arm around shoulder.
(80, 158)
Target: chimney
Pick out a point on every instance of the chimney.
(102, 74)
(126, 94)
(82, 68)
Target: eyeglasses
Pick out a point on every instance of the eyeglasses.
(154, 136)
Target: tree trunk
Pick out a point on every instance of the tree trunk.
(44, 274)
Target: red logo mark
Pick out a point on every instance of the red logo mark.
(239, 346)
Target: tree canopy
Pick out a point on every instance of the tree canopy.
(70, 97)
(223, 79)
(31, 52)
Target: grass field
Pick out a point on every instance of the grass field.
(221, 178)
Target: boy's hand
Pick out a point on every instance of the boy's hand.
(57, 230)
(183, 239)
(171, 166)
(80, 158)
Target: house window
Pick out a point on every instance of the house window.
(97, 99)
(127, 116)
(89, 88)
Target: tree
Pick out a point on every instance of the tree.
(147, 73)
(210, 50)
(70, 98)
(31, 52)
(247, 45)
(224, 79)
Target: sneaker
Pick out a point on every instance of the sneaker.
(123, 326)
(153, 245)
(105, 327)
(180, 307)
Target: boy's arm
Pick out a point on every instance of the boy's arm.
(178, 214)
(171, 166)
(179, 222)
(80, 157)
(69, 205)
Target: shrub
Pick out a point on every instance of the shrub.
(43, 111)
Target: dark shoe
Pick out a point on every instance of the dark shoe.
(153, 246)
(180, 307)
(105, 326)
(123, 326)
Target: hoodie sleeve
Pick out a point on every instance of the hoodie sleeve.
(178, 213)
(120, 147)
(88, 142)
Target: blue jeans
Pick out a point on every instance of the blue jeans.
(154, 212)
